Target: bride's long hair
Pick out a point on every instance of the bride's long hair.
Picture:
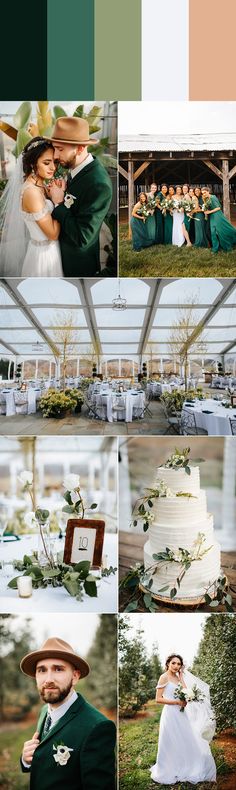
(174, 655)
(13, 233)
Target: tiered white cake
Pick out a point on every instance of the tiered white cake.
(178, 520)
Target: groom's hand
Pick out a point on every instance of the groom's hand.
(56, 191)
(29, 748)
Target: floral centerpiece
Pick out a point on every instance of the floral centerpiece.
(78, 396)
(55, 403)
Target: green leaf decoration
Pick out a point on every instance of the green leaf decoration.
(164, 589)
(79, 112)
(131, 606)
(58, 112)
(93, 506)
(50, 573)
(23, 138)
(27, 560)
(207, 599)
(22, 115)
(68, 509)
(135, 523)
(214, 603)
(188, 470)
(67, 497)
(42, 515)
(173, 592)
(147, 600)
(82, 567)
(150, 503)
(145, 526)
(90, 588)
(13, 583)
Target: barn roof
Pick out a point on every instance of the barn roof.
(178, 142)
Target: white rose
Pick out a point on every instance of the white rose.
(69, 200)
(25, 477)
(71, 482)
(29, 519)
(63, 754)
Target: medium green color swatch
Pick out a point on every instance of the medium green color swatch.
(117, 49)
(70, 50)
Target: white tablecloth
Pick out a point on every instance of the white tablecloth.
(32, 396)
(218, 422)
(57, 599)
(105, 405)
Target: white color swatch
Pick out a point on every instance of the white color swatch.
(165, 50)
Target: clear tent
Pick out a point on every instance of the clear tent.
(33, 311)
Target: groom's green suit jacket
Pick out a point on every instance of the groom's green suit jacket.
(81, 223)
(91, 763)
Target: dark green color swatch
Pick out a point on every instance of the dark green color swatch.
(70, 49)
(23, 50)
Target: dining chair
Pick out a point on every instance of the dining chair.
(188, 425)
(232, 426)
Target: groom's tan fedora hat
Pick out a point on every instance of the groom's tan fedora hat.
(72, 130)
(54, 648)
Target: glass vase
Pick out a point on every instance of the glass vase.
(44, 546)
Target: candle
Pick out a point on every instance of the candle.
(105, 563)
(24, 584)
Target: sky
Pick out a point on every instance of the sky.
(77, 629)
(176, 117)
(180, 633)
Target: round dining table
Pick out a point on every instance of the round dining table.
(211, 415)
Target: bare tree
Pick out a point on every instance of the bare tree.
(186, 336)
(66, 337)
(93, 355)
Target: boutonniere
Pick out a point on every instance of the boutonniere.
(69, 200)
(62, 754)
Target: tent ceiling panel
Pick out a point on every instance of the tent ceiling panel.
(225, 316)
(115, 349)
(135, 291)
(5, 299)
(47, 316)
(49, 291)
(13, 318)
(202, 291)
(20, 336)
(166, 317)
(80, 335)
(216, 333)
(119, 336)
(113, 318)
(232, 298)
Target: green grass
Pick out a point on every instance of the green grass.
(168, 261)
(138, 741)
(11, 743)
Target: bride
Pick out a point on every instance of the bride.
(184, 753)
(178, 218)
(29, 239)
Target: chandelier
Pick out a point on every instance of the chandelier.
(119, 303)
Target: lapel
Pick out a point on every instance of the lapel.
(68, 716)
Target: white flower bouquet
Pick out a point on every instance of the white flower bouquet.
(188, 694)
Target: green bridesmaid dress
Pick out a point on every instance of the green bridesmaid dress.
(143, 233)
(159, 221)
(223, 234)
(167, 226)
(200, 228)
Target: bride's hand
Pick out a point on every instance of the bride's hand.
(182, 703)
(56, 191)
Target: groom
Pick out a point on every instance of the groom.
(73, 746)
(82, 210)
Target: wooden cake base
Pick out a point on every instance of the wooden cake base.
(178, 601)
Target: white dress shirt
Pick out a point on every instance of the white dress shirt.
(80, 167)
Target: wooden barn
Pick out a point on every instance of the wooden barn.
(196, 159)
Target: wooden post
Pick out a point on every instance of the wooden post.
(130, 193)
(226, 198)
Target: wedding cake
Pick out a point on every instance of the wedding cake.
(181, 537)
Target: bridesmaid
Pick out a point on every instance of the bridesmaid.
(158, 214)
(200, 226)
(143, 228)
(223, 234)
(168, 219)
(187, 220)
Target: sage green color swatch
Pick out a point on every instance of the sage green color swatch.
(70, 49)
(117, 49)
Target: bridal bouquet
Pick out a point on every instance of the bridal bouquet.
(178, 205)
(188, 206)
(152, 203)
(188, 695)
(167, 205)
(206, 205)
(144, 212)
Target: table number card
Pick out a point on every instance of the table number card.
(84, 541)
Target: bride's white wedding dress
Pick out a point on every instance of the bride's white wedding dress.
(184, 755)
(177, 231)
(43, 256)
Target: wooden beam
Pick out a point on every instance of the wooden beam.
(123, 172)
(130, 192)
(232, 172)
(140, 170)
(213, 168)
(226, 198)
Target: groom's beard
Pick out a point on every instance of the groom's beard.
(55, 694)
(68, 165)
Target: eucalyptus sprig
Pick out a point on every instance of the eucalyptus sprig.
(141, 512)
(76, 579)
(181, 459)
